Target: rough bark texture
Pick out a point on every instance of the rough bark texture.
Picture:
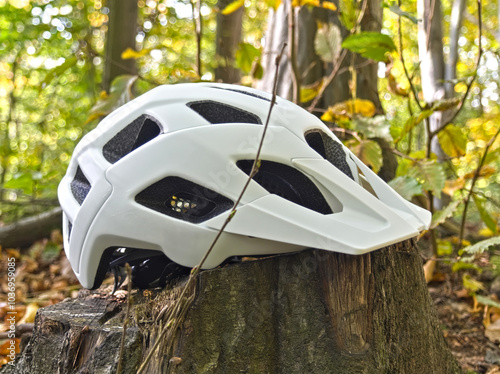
(28, 230)
(311, 312)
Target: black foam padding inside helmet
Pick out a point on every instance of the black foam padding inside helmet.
(139, 132)
(289, 183)
(329, 149)
(217, 113)
(80, 186)
(182, 199)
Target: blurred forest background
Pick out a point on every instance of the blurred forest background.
(410, 86)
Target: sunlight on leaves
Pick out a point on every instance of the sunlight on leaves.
(406, 186)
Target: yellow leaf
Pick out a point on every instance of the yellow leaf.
(130, 53)
(309, 92)
(451, 186)
(347, 108)
(233, 7)
(485, 172)
(29, 316)
(395, 87)
(329, 5)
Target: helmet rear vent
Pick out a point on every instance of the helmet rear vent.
(139, 132)
(288, 183)
(329, 149)
(80, 186)
(182, 199)
(217, 113)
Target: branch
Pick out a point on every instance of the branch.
(180, 308)
(293, 54)
(469, 85)
(474, 180)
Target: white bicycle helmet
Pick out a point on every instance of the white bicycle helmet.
(160, 174)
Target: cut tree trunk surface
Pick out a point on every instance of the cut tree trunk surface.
(311, 312)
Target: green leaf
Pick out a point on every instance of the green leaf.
(485, 300)
(488, 220)
(57, 71)
(51, 252)
(23, 181)
(482, 246)
(407, 187)
(444, 247)
(453, 141)
(372, 127)
(430, 174)
(327, 42)
(472, 284)
(369, 152)
(412, 122)
(120, 93)
(397, 10)
(246, 55)
(441, 215)
(233, 7)
(348, 13)
(369, 44)
(459, 265)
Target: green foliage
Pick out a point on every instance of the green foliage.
(441, 215)
(246, 56)
(430, 173)
(452, 141)
(369, 152)
(482, 246)
(369, 44)
(327, 43)
(406, 186)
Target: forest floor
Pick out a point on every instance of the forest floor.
(44, 277)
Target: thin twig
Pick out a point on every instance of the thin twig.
(292, 54)
(128, 269)
(196, 9)
(180, 308)
(473, 79)
(474, 180)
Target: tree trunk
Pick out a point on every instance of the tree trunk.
(450, 73)
(122, 30)
(311, 312)
(228, 36)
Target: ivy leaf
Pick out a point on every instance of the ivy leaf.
(453, 141)
(430, 174)
(369, 152)
(369, 44)
(119, 94)
(485, 216)
(233, 7)
(373, 127)
(441, 215)
(407, 187)
(245, 56)
(412, 122)
(397, 10)
(57, 71)
(482, 246)
(327, 42)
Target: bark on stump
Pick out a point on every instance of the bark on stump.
(311, 312)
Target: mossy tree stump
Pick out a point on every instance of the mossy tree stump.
(311, 312)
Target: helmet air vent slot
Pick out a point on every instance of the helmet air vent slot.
(139, 132)
(80, 186)
(182, 199)
(288, 183)
(329, 149)
(244, 93)
(217, 113)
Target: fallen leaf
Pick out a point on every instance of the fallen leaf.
(29, 316)
(429, 267)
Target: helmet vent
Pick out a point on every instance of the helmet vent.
(217, 113)
(329, 149)
(182, 199)
(139, 132)
(80, 186)
(244, 93)
(288, 183)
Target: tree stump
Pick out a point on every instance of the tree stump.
(310, 312)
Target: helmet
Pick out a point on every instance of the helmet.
(160, 174)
